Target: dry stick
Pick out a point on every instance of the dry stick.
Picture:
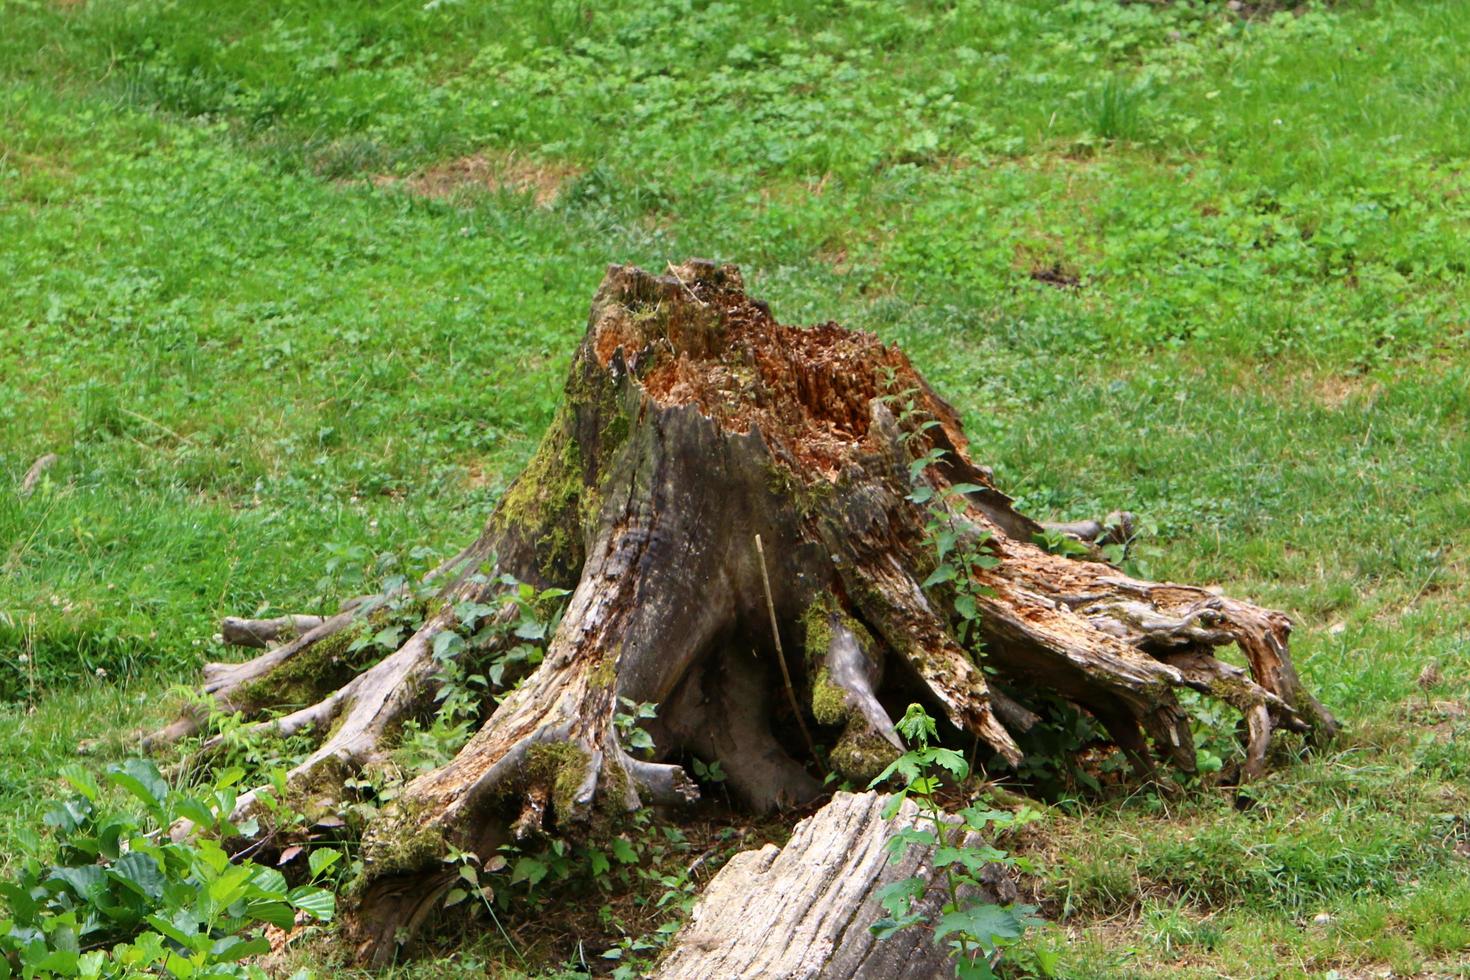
(781, 657)
(673, 272)
(156, 424)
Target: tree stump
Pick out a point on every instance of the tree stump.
(692, 423)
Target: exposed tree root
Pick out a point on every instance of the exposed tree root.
(262, 633)
(692, 423)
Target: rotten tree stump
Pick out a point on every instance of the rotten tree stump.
(692, 422)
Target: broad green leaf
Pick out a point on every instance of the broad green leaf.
(172, 931)
(529, 870)
(985, 924)
(886, 928)
(447, 643)
(68, 815)
(232, 949)
(82, 781)
(229, 777)
(60, 962)
(140, 778)
(899, 895)
(140, 873)
(531, 629)
(268, 883)
(975, 968)
(314, 901)
(87, 881)
(321, 859)
(952, 761)
(944, 573)
(194, 810)
(228, 888)
(904, 766)
(278, 914)
(901, 840)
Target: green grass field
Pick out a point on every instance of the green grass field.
(290, 284)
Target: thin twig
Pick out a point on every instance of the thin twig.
(781, 656)
(156, 424)
(673, 272)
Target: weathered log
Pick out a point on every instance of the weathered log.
(802, 911)
(261, 633)
(692, 424)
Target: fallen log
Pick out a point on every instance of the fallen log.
(802, 911)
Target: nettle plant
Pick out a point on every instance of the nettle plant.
(119, 898)
(517, 623)
(959, 552)
(975, 932)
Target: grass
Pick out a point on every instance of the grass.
(257, 362)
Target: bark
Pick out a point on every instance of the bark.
(692, 423)
(801, 912)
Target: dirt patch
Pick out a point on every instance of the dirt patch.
(1057, 276)
(1443, 721)
(1046, 259)
(488, 171)
(476, 477)
(1335, 391)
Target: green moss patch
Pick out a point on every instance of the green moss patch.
(400, 839)
(312, 673)
(861, 754)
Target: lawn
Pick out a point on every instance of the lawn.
(290, 289)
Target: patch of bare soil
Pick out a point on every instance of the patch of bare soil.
(1057, 276)
(488, 171)
(1335, 391)
(1442, 720)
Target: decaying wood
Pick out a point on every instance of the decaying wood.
(692, 424)
(262, 633)
(802, 911)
